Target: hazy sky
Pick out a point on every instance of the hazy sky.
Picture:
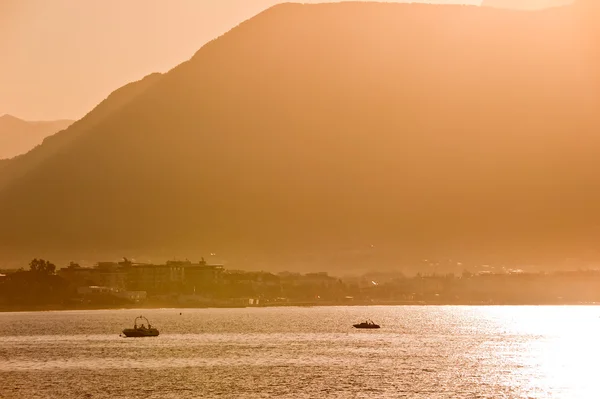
(59, 58)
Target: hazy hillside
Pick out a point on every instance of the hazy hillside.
(18, 136)
(349, 133)
(13, 169)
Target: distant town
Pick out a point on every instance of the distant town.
(200, 284)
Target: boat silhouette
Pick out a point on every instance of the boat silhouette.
(366, 324)
(140, 330)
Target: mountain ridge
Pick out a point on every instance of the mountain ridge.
(312, 129)
(18, 136)
(526, 4)
(51, 145)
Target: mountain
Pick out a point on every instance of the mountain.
(525, 4)
(18, 136)
(17, 167)
(335, 136)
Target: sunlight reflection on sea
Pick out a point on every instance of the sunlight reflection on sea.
(420, 352)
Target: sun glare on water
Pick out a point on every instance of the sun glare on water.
(557, 350)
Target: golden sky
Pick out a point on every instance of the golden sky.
(62, 57)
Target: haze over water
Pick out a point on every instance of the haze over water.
(420, 352)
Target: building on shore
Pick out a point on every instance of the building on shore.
(105, 274)
(155, 279)
(201, 277)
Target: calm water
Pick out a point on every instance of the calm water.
(421, 352)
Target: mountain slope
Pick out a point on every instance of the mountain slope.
(13, 169)
(18, 136)
(424, 130)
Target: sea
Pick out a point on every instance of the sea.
(424, 352)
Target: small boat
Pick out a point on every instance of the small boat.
(140, 330)
(366, 324)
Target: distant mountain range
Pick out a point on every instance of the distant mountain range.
(18, 136)
(334, 136)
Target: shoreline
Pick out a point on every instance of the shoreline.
(55, 308)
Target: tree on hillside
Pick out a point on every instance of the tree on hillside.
(42, 266)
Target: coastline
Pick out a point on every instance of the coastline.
(54, 308)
